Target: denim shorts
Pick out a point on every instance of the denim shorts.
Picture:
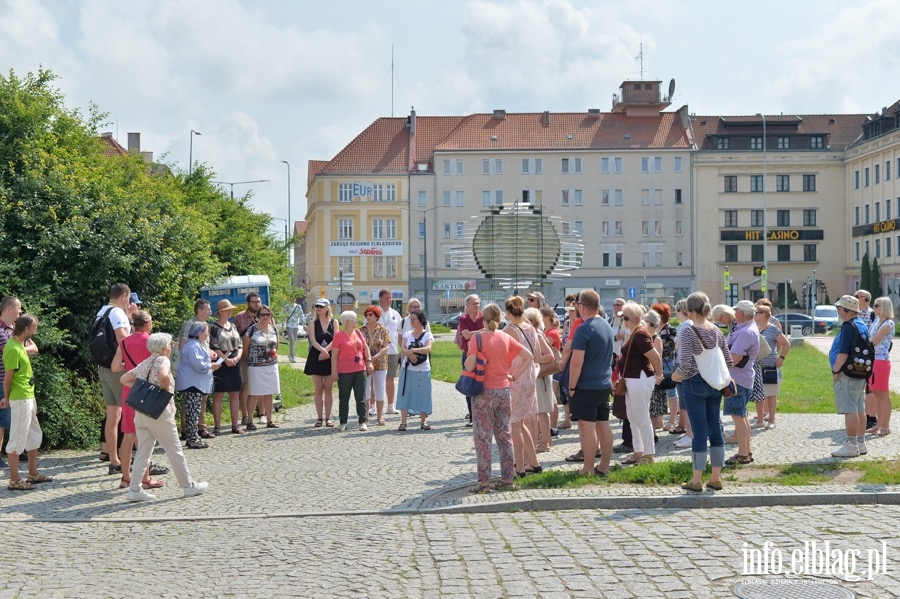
(736, 405)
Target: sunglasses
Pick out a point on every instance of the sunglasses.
(265, 315)
(320, 307)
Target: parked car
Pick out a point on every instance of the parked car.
(453, 321)
(829, 314)
(808, 324)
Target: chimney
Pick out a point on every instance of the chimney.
(134, 143)
(411, 150)
(147, 157)
(546, 118)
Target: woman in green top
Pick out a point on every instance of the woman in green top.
(25, 433)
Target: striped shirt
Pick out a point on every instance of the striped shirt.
(690, 346)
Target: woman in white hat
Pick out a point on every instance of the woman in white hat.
(225, 341)
(320, 332)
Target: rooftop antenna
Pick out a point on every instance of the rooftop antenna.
(392, 80)
(640, 57)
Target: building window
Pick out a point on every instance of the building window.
(645, 197)
(731, 218)
(809, 217)
(645, 228)
(447, 167)
(446, 198)
(756, 183)
(565, 166)
(572, 165)
(618, 229)
(856, 179)
(723, 143)
(887, 209)
(612, 255)
(651, 255)
(756, 218)
(498, 197)
(877, 211)
(421, 260)
(345, 264)
(657, 164)
(784, 143)
(856, 249)
(378, 192)
(345, 228)
(577, 227)
(617, 165)
(565, 197)
(731, 253)
(679, 258)
(377, 228)
(817, 142)
(657, 228)
(378, 267)
(526, 164)
(460, 229)
(390, 267)
(866, 212)
(538, 166)
(604, 228)
(756, 143)
(390, 228)
(577, 197)
(887, 247)
(498, 166)
(809, 182)
(677, 196)
(526, 196)
(887, 170)
(459, 166)
(391, 192)
(657, 197)
(345, 192)
(676, 164)
(730, 183)
(877, 248)
(485, 166)
(460, 198)
(604, 166)
(423, 199)
(809, 252)
(617, 197)
(422, 230)
(877, 174)
(485, 198)
(783, 183)
(784, 218)
(604, 197)
(645, 164)
(448, 258)
(866, 177)
(447, 229)
(756, 253)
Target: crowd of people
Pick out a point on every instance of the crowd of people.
(541, 375)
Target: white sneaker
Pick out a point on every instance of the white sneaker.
(861, 446)
(848, 450)
(393, 410)
(363, 427)
(141, 495)
(684, 442)
(343, 428)
(770, 425)
(758, 425)
(195, 488)
(372, 411)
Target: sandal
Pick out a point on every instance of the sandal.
(598, 472)
(124, 484)
(251, 427)
(329, 422)
(318, 423)
(402, 426)
(216, 432)
(272, 425)
(738, 459)
(676, 430)
(205, 434)
(505, 486)
(39, 478)
(20, 485)
(152, 484)
(631, 460)
(425, 426)
(534, 470)
(480, 489)
(578, 456)
(236, 431)
(381, 422)
(157, 470)
(104, 457)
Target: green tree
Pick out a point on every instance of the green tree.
(875, 281)
(865, 273)
(73, 221)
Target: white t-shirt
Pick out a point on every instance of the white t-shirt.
(407, 339)
(117, 317)
(390, 319)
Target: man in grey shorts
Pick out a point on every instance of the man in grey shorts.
(390, 319)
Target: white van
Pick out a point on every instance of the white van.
(829, 314)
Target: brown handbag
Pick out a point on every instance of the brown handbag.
(618, 405)
(553, 366)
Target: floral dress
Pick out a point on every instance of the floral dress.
(523, 390)
(376, 340)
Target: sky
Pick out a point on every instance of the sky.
(267, 81)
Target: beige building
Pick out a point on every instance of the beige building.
(871, 220)
(771, 191)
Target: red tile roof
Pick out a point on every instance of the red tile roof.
(841, 130)
(111, 147)
(312, 169)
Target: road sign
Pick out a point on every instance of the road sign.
(632, 292)
(347, 277)
(727, 280)
(345, 286)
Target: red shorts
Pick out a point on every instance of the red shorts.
(881, 376)
(127, 421)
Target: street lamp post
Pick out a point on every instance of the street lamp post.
(191, 152)
(425, 252)
(765, 271)
(290, 222)
(232, 184)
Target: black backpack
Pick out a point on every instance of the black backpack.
(102, 340)
(861, 358)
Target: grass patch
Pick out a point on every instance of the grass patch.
(878, 472)
(296, 388)
(658, 473)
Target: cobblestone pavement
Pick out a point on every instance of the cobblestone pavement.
(584, 553)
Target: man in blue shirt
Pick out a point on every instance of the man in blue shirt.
(590, 383)
(849, 393)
